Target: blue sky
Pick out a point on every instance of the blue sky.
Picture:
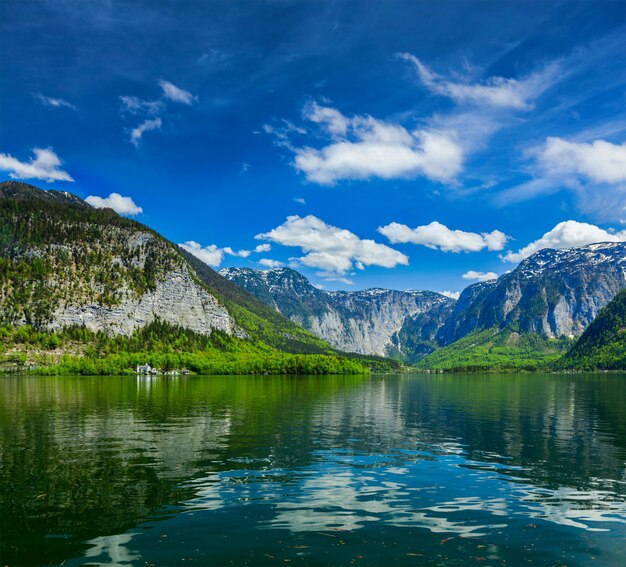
(394, 144)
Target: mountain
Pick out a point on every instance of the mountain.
(603, 344)
(373, 321)
(530, 317)
(553, 293)
(65, 264)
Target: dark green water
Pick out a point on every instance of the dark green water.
(395, 470)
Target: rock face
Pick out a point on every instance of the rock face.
(66, 264)
(373, 321)
(175, 299)
(555, 293)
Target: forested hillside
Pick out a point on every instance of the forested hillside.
(603, 345)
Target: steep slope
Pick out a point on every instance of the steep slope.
(64, 264)
(553, 293)
(497, 349)
(603, 344)
(373, 321)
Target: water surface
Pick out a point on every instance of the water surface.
(403, 470)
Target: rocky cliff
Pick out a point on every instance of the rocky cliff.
(373, 321)
(554, 293)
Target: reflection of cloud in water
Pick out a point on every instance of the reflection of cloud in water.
(347, 501)
(495, 506)
(571, 507)
(334, 501)
(112, 550)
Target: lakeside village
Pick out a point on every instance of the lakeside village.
(147, 370)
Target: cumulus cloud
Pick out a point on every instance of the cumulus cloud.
(121, 205)
(333, 121)
(599, 161)
(135, 105)
(44, 165)
(363, 147)
(176, 94)
(495, 91)
(213, 255)
(451, 294)
(438, 236)
(332, 250)
(299, 200)
(269, 263)
(137, 133)
(479, 276)
(52, 102)
(566, 234)
(240, 253)
(210, 255)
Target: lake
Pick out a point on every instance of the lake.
(517, 469)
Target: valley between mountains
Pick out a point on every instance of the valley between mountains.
(83, 290)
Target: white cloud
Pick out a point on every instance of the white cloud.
(333, 250)
(176, 94)
(495, 91)
(44, 165)
(331, 119)
(269, 263)
(599, 161)
(210, 255)
(137, 133)
(368, 148)
(240, 253)
(438, 236)
(134, 105)
(479, 276)
(115, 201)
(451, 294)
(299, 200)
(213, 255)
(51, 102)
(594, 171)
(566, 234)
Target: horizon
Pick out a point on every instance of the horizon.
(409, 146)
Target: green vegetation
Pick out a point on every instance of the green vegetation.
(496, 349)
(260, 320)
(52, 252)
(166, 347)
(603, 345)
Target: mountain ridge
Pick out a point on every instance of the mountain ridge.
(370, 321)
(554, 292)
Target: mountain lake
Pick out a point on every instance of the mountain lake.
(485, 469)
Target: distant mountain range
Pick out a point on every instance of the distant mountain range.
(552, 294)
(374, 321)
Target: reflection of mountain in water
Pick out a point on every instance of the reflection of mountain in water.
(460, 455)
